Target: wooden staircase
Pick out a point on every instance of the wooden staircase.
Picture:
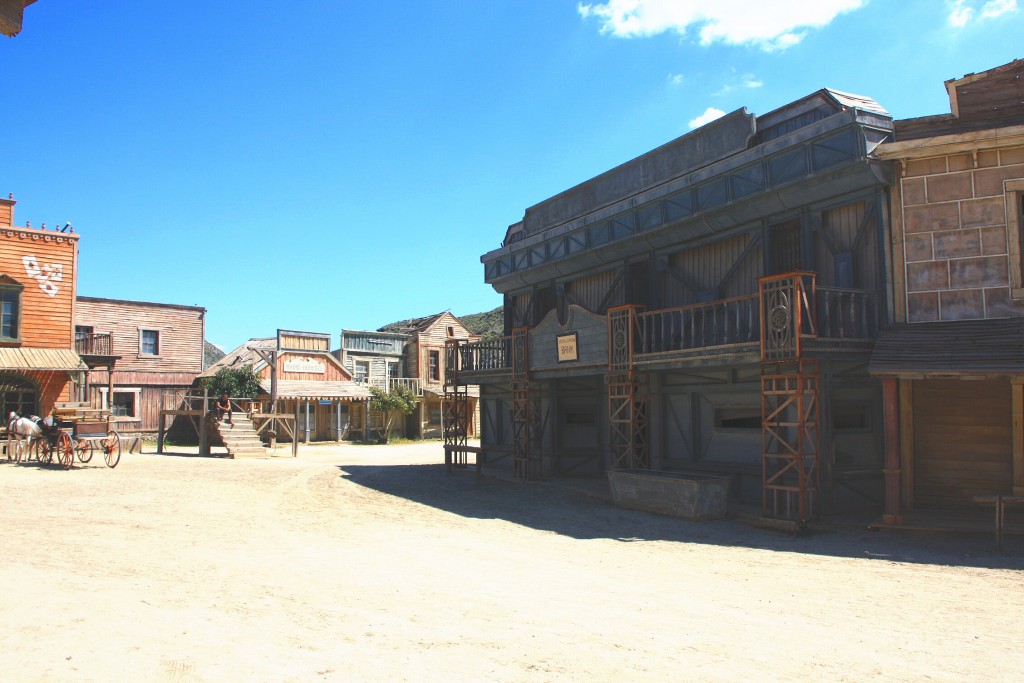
(240, 440)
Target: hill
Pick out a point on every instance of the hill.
(489, 325)
(211, 354)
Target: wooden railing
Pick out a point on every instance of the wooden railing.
(93, 344)
(491, 354)
(824, 313)
(716, 323)
(846, 313)
(415, 384)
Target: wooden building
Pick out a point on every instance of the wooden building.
(426, 362)
(377, 359)
(310, 383)
(38, 275)
(11, 13)
(138, 352)
(709, 306)
(953, 365)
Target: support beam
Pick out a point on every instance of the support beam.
(893, 485)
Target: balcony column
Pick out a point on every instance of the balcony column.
(893, 472)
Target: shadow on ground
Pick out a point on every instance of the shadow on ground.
(547, 506)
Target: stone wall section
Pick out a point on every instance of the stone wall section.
(956, 246)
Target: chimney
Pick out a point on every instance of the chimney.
(7, 211)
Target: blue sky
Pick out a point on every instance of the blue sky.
(322, 164)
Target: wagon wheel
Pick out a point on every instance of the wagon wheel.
(83, 448)
(43, 450)
(112, 448)
(65, 450)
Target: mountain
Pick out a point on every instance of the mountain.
(489, 325)
(211, 354)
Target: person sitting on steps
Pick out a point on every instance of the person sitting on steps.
(223, 407)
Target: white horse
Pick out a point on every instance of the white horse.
(23, 430)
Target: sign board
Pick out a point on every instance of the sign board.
(307, 364)
(567, 349)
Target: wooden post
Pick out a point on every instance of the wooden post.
(204, 443)
(160, 434)
(295, 431)
(305, 427)
(893, 486)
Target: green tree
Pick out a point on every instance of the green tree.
(237, 382)
(401, 400)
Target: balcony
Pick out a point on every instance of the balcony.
(796, 315)
(94, 345)
(415, 384)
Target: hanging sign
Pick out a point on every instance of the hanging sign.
(567, 350)
(305, 365)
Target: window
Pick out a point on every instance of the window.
(451, 331)
(10, 313)
(738, 418)
(83, 332)
(434, 366)
(149, 342)
(362, 371)
(123, 404)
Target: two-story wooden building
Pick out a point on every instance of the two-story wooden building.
(38, 274)
(138, 352)
(311, 383)
(709, 306)
(425, 360)
(11, 13)
(953, 365)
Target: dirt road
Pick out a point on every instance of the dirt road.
(359, 563)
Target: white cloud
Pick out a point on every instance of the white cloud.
(997, 8)
(963, 12)
(740, 82)
(709, 115)
(774, 25)
(676, 79)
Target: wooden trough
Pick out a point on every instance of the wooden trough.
(692, 496)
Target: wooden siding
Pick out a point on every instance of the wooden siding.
(6, 212)
(333, 370)
(433, 339)
(181, 333)
(597, 293)
(848, 239)
(47, 303)
(303, 342)
(719, 270)
(962, 440)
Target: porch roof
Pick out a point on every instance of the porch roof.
(40, 359)
(316, 390)
(950, 349)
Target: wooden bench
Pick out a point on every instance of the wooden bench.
(1000, 502)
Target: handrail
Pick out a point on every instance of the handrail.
(489, 354)
(94, 344)
(844, 313)
(716, 323)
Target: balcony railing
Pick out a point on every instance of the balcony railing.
(825, 313)
(492, 354)
(387, 384)
(93, 345)
(847, 313)
(698, 326)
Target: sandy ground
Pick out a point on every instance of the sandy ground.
(371, 564)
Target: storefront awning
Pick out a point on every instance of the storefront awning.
(40, 359)
(950, 349)
(314, 390)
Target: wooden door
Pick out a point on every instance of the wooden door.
(962, 440)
